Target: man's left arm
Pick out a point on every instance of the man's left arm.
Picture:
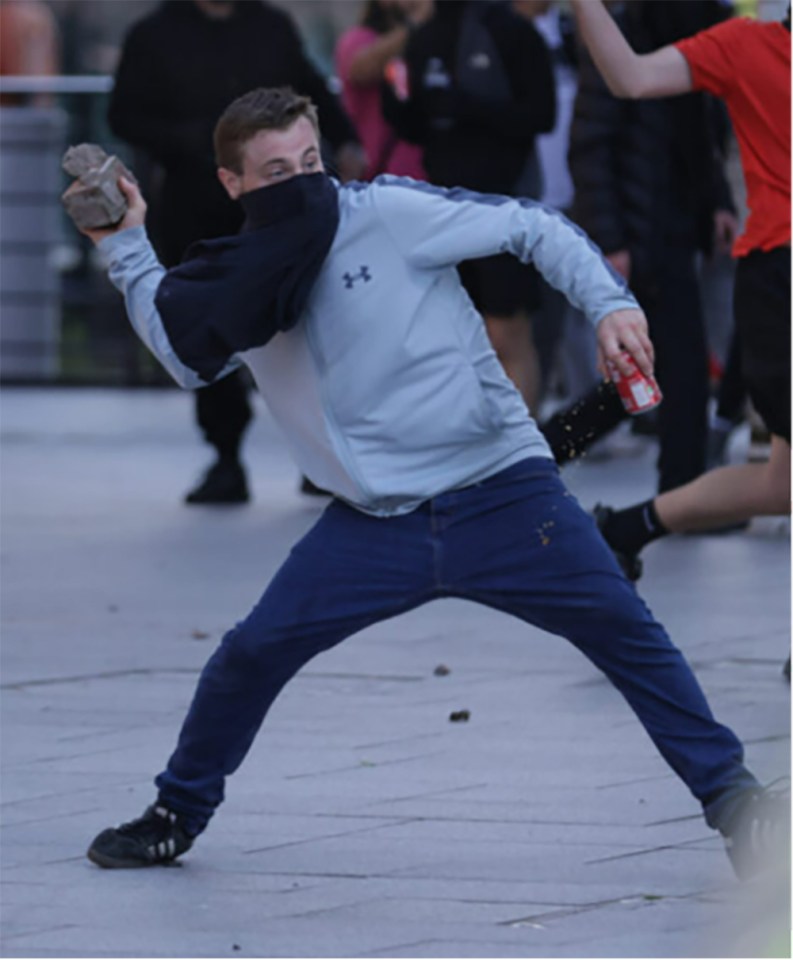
(437, 228)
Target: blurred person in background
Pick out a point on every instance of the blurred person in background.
(367, 55)
(180, 67)
(565, 343)
(730, 402)
(729, 405)
(480, 89)
(651, 192)
(747, 64)
(29, 46)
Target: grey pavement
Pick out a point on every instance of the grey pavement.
(364, 823)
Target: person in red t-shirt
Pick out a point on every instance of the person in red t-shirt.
(747, 64)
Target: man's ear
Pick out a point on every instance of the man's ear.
(232, 182)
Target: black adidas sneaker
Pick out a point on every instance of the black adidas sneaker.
(155, 838)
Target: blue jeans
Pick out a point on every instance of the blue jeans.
(517, 542)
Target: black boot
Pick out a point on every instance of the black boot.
(224, 482)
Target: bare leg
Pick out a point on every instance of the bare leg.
(514, 345)
(730, 494)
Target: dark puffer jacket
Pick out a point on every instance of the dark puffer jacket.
(179, 70)
(648, 172)
(476, 119)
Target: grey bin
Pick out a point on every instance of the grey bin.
(32, 141)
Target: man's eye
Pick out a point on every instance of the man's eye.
(311, 164)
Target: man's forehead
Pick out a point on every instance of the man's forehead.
(296, 139)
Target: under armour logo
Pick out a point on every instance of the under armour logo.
(362, 274)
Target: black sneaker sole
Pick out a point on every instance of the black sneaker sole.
(118, 863)
(115, 863)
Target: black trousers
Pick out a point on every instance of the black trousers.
(223, 411)
(671, 301)
(762, 319)
(732, 389)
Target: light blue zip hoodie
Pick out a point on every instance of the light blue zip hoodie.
(387, 389)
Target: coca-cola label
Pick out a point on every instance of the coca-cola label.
(638, 392)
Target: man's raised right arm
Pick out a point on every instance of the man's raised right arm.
(136, 272)
(630, 75)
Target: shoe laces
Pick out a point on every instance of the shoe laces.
(156, 824)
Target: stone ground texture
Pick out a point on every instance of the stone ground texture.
(364, 823)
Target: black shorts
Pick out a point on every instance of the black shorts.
(501, 286)
(762, 318)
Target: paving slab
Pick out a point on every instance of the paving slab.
(363, 823)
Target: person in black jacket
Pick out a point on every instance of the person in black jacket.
(481, 87)
(650, 191)
(180, 67)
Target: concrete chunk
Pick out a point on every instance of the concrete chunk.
(94, 200)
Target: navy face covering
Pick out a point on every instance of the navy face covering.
(235, 293)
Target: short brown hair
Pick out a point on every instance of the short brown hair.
(266, 108)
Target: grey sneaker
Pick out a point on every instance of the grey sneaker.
(757, 835)
(155, 838)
